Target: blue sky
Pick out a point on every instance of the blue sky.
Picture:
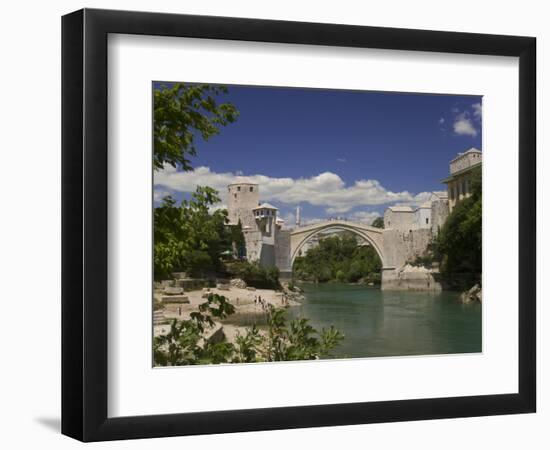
(334, 152)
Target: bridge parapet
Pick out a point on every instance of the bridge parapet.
(335, 224)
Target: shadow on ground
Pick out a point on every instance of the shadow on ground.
(53, 423)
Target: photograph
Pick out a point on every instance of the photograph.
(296, 224)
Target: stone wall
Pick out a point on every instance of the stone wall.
(282, 250)
(257, 250)
(399, 219)
(401, 247)
(409, 278)
(267, 255)
(440, 212)
(241, 199)
(465, 160)
(253, 244)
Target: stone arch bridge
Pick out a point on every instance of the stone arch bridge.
(394, 247)
(300, 236)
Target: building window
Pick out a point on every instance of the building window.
(235, 195)
(239, 188)
(251, 189)
(427, 221)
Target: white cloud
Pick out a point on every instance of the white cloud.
(342, 160)
(441, 121)
(366, 217)
(289, 218)
(327, 189)
(464, 126)
(477, 111)
(312, 220)
(217, 207)
(159, 194)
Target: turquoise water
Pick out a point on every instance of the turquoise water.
(381, 323)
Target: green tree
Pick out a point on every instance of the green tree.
(338, 258)
(236, 240)
(458, 245)
(297, 340)
(255, 275)
(184, 343)
(190, 237)
(181, 113)
(378, 222)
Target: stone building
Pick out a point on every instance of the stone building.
(439, 210)
(242, 198)
(409, 230)
(262, 229)
(459, 181)
(433, 213)
(406, 218)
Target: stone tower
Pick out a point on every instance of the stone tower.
(242, 198)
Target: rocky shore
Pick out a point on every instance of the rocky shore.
(471, 295)
(251, 304)
(411, 278)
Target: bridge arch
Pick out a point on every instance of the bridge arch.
(300, 236)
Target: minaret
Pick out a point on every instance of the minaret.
(298, 216)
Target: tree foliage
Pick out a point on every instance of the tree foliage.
(255, 275)
(184, 344)
(181, 113)
(458, 245)
(378, 222)
(338, 258)
(190, 237)
(284, 340)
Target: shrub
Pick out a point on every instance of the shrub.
(284, 340)
(254, 275)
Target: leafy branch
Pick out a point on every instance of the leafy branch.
(284, 340)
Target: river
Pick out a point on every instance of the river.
(384, 323)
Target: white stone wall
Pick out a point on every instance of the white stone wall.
(253, 243)
(423, 217)
(267, 227)
(282, 250)
(466, 160)
(399, 220)
(400, 247)
(241, 199)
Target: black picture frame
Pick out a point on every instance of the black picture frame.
(84, 224)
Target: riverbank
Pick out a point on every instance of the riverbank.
(251, 306)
